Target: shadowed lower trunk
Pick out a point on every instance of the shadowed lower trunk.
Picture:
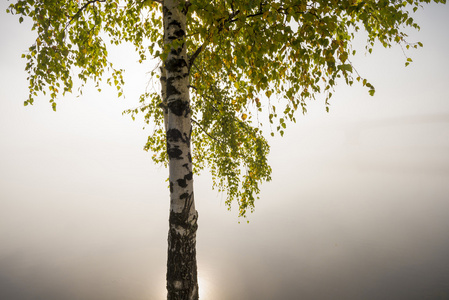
(182, 282)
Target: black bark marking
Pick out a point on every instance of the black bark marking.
(174, 152)
(185, 196)
(183, 182)
(171, 89)
(175, 23)
(179, 219)
(178, 107)
(174, 135)
(175, 65)
(179, 33)
(177, 51)
(164, 107)
(171, 187)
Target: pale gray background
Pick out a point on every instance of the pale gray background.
(358, 207)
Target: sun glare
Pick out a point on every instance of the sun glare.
(204, 286)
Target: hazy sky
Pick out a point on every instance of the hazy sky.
(360, 212)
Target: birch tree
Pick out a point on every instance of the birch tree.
(225, 66)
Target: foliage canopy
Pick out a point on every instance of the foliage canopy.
(247, 57)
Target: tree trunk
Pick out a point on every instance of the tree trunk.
(182, 283)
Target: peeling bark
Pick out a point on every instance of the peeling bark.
(182, 282)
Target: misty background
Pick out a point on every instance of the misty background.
(358, 207)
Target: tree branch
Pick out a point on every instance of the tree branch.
(71, 18)
(220, 28)
(195, 55)
(83, 8)
(203, 130)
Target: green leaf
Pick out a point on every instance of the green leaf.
(286, 51)
(346, 67)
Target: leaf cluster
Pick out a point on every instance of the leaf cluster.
(72, 38)
(250, 61)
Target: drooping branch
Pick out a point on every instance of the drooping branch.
(230, 19)
(204, 130)
(220, 28)
(80, 10)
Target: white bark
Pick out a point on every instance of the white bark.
(182, 283)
